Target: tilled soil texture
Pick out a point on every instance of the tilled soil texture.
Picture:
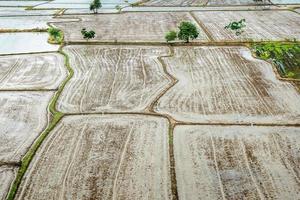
(23, 117)
(113, 78)
(7, 175)
(101, 157)
(128, 27)
(260, 25)
(237, 2)
(174, 3)
(235, 162)
(227, 85)
(37, 71)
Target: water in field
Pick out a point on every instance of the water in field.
(20, 11)
(21, 3)
(84, 4)
(11, 43)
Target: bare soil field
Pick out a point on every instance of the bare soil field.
(236, 2)
(175, 2)
(36, 71)
(259, 25)
(227, 85)
(7, 175)
(101, 157)
(128, 27)
(235, 162)
(23, 117)
(113, 78)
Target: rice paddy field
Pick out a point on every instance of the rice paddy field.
(127, 115)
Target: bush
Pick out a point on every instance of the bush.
(171, 36)
(87, 34)
(187, 31)
(237, 26)
(55, 35)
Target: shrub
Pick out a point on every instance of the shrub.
(237, 26)
(87, 34)
(171, 36)
(55, 34)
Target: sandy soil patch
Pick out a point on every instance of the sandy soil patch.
(23, 117)
(101, 157)
(128, 27)
(227, 85)
(259, 25)
(113, 78)
(7, 175)
(233, 162)
(36, 71)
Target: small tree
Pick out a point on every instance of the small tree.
(171, 36)
(87, 34)
(95, 5)
(187, 31)
(118, 8)
(237, 26)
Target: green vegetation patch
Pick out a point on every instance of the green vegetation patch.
(56, 35)
(285, 56)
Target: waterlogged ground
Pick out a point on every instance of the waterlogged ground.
(143, 119)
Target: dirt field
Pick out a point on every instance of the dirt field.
(235, 2)
(7, 175)
(232, 162)
(227, 85)
(102, 157)
(259, 25)
(128, 27)
(113, 78)
(38, 71)
(175, 3)
(23, 116)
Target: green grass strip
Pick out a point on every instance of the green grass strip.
(56, 117)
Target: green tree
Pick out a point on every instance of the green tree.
(55, 34)
(171, 36)
(187, 31)
(95, 5)
(87, 34)
(237, 26)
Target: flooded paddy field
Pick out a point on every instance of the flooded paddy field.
(128, 27)
(18, 43)
(20, 3)
(37, 71)
(23, 117)
(113, 78)
(235, 88)
(15, 11)
(28, 22)
(260, 25)
(127, 116)
(102, 157)
(234, 162)
(7, 175)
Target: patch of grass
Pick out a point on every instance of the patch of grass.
(285, 56)
(56, 35)
(56, 117)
